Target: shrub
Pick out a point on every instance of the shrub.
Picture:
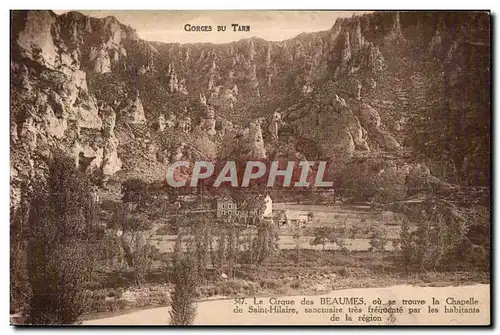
(165, 230)
(321, 236)
(440, 241)
(115, 293)
(232, 286)
(343, 272)
(295, 284)
(269, 283)
(378, 239)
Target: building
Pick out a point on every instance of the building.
(225, 206)
(297, 219)
(268, 211)
(292, 219)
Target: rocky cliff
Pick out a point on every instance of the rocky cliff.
(92, 88)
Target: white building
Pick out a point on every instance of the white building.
(268, 211)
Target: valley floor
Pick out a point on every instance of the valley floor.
(289, 273)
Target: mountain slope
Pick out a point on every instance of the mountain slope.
(373, 87)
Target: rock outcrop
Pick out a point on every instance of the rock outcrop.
(162, 123)
(254, 141)
(352, 123)
(355, 53)
(174, 84)
(111, 163)
(395, 34)
(99, 58)
(224, 98)
(184, 124)
(244, 144)
(208, 121)
(36, 40)
(171, 121)
(370, 119)
(73, 75)
(274, 125)
(133, 111)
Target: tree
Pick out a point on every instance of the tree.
(390, 185)
(321, 236)
(378, 239)
(373, 179)
(201, 230)
(335, 235)
(143, 259)
(177, 255)
(229, 245)
(266, 242)
(405, 244)
(136, 191)
(183, 310)
(136, 251)
(20, 289)
(440, 240)
(60, 235)
(250, 200)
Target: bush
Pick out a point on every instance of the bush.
(142, 259)
(378, 239)
(269, 283)
(115, 293)
(232, 286)
(440, 241)
(322, 236)
(343, 272)
(166, 230)
(374, 178)
(107, 305)
(295, 284)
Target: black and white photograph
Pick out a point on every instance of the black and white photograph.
(250, 167)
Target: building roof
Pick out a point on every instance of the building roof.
(224, 199)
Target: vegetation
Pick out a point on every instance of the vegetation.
(330, 234)
(60, 233)
(321, 236)
(457, 128)
(207, 247)
(265, 244)
(142, 259)
(70, 256)
(442, 241)
(183, 310)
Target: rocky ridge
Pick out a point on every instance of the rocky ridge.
(92, 88)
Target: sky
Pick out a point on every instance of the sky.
(169, 26)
